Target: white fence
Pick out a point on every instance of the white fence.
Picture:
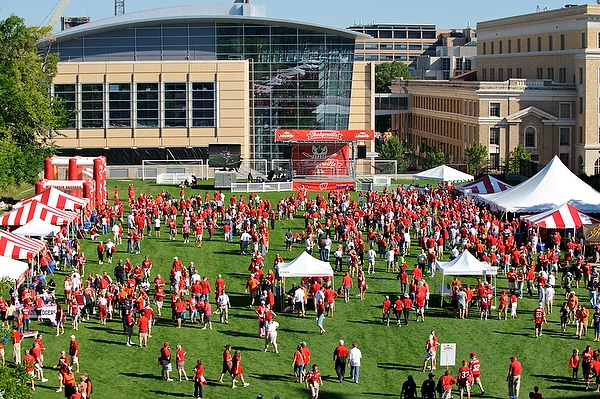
(171, 178)
(153, 167)
(261, 187)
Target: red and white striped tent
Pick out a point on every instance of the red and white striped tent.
(565, 216)
(19, 247)
(55, 198)
(35, 209)
(485, 185)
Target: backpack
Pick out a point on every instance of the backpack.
(90, 387)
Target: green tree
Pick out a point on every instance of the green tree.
(386, 72)
(29, 117)
(432, 157)
(15, 383)
(515, 158)
(476, 158)
(394, 149)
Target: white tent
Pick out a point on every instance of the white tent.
(549, 188)
(465, 265)
(11, 269)
(444, 173)
(305, 265)
(37, 228)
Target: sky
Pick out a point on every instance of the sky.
(335, 13)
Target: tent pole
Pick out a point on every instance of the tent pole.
(442, 293)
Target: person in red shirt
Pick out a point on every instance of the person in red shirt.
(431, 349)
(347, 284)
(29, 363)
(514, 377)
(398, 306)
(298, 364)
(475, 366)
(385, 311)
(574, 363)
(329, 294)
(180, 362)
(227, 360)
(237, 370)
(447, 381)
(464, 380)
(539, 318)
(165, 362)
(313, 381)
(199, 380)
(143, 324)
(74, 352)
(340, 357)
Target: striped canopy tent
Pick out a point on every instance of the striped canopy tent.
(12, 270)
(55, 198)
(18, 247)
(565, 216)
(35, 209)
(484, 185)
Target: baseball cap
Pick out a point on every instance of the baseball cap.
(341, 342)
(473, 354)
(175, 258)
(72, 337)
(430, 375)
(513, 358)
(540, 304)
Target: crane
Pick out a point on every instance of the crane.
(58, 12)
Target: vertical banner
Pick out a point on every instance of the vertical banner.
(321, 159)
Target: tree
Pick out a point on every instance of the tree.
(515, 159)
(15, 383)
(433, 157)
(29, 117)
(476, 158)
(386, 72)
(394, 149)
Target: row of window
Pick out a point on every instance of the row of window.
(530, 136)
(124, 105)
(397, 33)
(565, 110)
(394, 46)
(529, 45)
(385, 57)
(455, 106)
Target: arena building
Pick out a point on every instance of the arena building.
(165, 83)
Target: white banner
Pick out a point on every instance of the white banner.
(48, 312)
(447, 354)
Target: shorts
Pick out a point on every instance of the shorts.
(330, 306)
(462, 305)
(31, 373)
(128, 330)
(166, 365)
(198, 237)
(272, 337)
(144, 335)
(206, 319)
(347, 289)
(157, 228)
(298, 368)
(538, 325)
(430, 355)
(180, 365)
(74, 360)
(465, 388)
(320, 319)
(226, 367)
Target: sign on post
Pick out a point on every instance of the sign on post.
(447, 354)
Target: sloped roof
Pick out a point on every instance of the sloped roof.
(443, 173)
(484, 185)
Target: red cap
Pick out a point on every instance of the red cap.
(473, 354)
(513, 358)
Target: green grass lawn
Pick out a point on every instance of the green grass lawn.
(389, 353)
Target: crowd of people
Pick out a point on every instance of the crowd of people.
(374, 226)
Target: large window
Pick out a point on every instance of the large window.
(92, 105)
(119, 105)
(495, 109)
(203, 104)
(147, 105)
(175, 105)
(494, 136)
(564, 110)
(530, 137)
(67, 93)
(565, 135)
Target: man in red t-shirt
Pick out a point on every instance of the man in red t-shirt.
(447, 381)
(475, 366)
(313, 381)
(165, 361)
(514, 377)
(340, 356)
(385, 311)
(143, 324)
(227, 362)
(465, 380)
(74, 352)
(539, 318)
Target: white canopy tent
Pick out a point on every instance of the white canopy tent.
(465, 265)
(305, 265)
(549, 188)
(443, 173)
(37, 228)
(12, 270)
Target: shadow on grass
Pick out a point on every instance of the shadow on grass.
(397, 366)
(170, 393)
(377, 321)
(105, 341)
(147, 376)
(271, 377)
(380, 394)
(238, 334)
(514, 333)
(560, 379)
(104, 329)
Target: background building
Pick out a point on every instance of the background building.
(171, 81)
(539, 80)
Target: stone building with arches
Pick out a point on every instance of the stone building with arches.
(538, 85)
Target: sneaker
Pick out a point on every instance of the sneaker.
(234, 387)
(59, 390)
(263, 350)
(44, 380)
(169, 379)
(246, 384)
(33, 388)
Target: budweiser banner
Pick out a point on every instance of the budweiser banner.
(321, 159)
(591, 234)
(323, 135)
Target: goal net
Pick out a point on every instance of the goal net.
(173, 170)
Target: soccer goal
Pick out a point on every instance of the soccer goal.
(173, 169)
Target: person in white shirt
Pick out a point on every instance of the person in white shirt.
(549, 297)
(224, 305)
(271, 336)
(371, 255)
(354, 361)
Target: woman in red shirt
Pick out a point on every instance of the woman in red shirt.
(237, 370)
(199, 379)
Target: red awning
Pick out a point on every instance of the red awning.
(55, 198)
(35, 209)
(19, 247)
(565, 216)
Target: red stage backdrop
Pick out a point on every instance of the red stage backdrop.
(324, 186)
(321, 159)
(323, 135)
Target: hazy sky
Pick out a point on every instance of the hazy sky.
(336, 13)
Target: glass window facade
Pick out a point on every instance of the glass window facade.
(68, 94)
(302, 78)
